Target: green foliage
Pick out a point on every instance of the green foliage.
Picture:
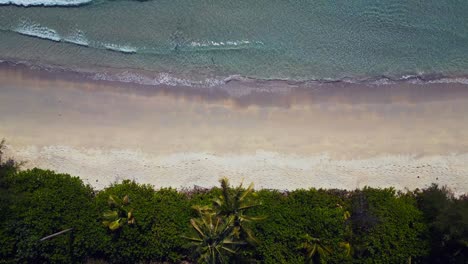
(119, 214)
(131, 243)
(8, 168)
(221, 230)
(316, 251)
(215, 238)
(161, 218)
(237, 202)
(47, 203)
(290, 216)
(447, 219)
(392, 230)
(364, 226)
(173, 211)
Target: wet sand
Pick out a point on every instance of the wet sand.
(282, 136)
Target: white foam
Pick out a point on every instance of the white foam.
(408, 76)
(451, 80)
(44, 2)
(120, 48)
(223, 43)
(36, 30)
(159, 79)
(383, 81)
(77, 38)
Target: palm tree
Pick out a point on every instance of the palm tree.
(214, 240)
(315, 249)
(120, 215)
(235, 203)
(220, 230)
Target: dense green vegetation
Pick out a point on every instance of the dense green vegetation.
(231, 224)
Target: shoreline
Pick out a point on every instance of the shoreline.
(142, 77)
(244, 92)
(335, 135)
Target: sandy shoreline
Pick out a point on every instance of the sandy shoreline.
(332, 136)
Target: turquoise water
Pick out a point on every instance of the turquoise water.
(276, 39)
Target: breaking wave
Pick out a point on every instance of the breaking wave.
(120, 48)
(38, 31)
(77, 38)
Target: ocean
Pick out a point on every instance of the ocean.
(209, 43)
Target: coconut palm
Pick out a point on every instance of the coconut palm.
(220, 230)
(235, 202)
(120, 215)
(214, 240)
(315, 249)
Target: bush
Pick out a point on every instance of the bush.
(291, 216)
(45, 203)
(8, 168)
(173, 213)
(389, 227)
(447, 218)
(132, 243)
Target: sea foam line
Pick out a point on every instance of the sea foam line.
(35, 30)
(160, 79)
(224, 44)
(78, 37)
(45, 2)
(120, 48)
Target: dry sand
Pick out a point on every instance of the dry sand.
(332, 136)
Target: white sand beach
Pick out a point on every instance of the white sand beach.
(405, 137)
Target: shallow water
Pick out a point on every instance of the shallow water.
(207, 41)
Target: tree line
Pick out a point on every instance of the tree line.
(129, 222)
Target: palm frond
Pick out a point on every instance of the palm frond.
(113, 201)
(193, 239)
(110, 214)
(194, 224)
(247, 191)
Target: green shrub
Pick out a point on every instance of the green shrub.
(222, 231)
(388, 228)
(131, 243)
(8, 168)
(173, 211)
(427, 226)
(293, 215)
(45, 203)
(162, 217)
(447, 218)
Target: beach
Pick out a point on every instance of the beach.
(233, 131)
(280, 136)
